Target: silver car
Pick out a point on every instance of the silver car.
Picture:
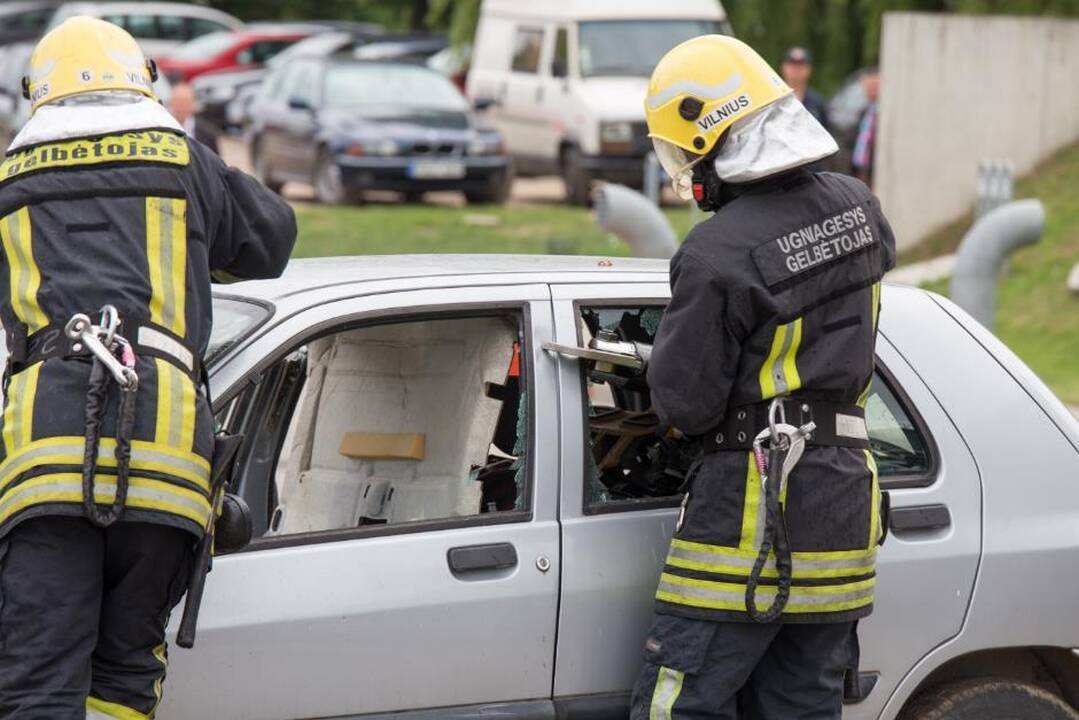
(454, 522)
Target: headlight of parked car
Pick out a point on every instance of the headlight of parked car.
(615, 137)
(376, 148)
(485, 145)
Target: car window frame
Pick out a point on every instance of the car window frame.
(893, 482)
(389, 316)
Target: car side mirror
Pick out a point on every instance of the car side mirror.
(484, 103)
(558, 68)
(298, 103)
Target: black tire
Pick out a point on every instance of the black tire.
(260, 166)
(988, 699)
(497, 191)
(578, 183)
(329, 188)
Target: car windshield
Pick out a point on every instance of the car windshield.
(382, 89)
(204, 47)
(233, 320)
(631, 48)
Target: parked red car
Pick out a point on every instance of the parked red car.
(235, 50)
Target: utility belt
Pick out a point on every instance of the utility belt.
(837, 424)
(146, 339)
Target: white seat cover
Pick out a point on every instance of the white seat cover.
(422, 377)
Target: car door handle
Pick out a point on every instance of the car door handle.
(917, 518)
(471, 558)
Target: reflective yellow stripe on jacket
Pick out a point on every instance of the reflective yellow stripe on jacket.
(166, 256)
(25, 277)
(717, 595)
(68, 450)
(779, 372)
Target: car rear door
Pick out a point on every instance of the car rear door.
(382, 616)
(614, 549)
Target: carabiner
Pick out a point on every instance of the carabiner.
(110, 321)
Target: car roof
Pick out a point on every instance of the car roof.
(318, 274)
(607, 9)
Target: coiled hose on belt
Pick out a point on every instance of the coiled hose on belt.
(97, 397)
(774, 536)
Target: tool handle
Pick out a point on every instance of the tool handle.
(196, 584)
(225, 449)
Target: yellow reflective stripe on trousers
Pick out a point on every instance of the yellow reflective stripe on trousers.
(731, 596)
(668, 688)
(98, 709)
(874, 510)
(162, 656)
(779, 373)
(142, 493)
(19, 409)
(753, 508)
(24, 276)
(175, 407)
(166, 257)
(69, 451)
(734, 561)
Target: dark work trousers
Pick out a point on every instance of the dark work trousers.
(83, 612)
(707, 670)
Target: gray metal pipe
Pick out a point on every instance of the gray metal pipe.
(984, 250)
(640, 224)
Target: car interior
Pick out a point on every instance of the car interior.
(389, 424)
(631, 457)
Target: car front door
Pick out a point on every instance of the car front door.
(299, 121)
(614, 547)
(396, 570)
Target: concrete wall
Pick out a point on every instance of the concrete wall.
(957, 89)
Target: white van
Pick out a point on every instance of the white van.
(565, 80)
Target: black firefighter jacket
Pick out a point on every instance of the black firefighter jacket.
(777, 294)
(139, 220)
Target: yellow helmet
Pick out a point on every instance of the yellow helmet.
(697, 91)
(85, 54)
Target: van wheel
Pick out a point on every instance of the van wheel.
(329, 187)
(578, 183)
(261, 167)
(988, 699)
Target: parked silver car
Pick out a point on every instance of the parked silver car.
(452, 521)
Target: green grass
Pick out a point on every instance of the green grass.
(1036, 315)
(397, 228)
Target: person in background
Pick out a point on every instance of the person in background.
(183, 106)
(797, 68)
(862, 157)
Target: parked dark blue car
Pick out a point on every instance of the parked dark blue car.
(346, 125)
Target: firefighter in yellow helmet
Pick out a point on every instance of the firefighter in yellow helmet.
(108, 211)
(764, 357)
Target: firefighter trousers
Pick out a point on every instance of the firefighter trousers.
(83, 612)
(709, 670)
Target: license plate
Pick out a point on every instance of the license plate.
(436, 169)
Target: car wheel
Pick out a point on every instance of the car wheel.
(578, 183)
(262, 169)
(988, 699)
(497, 191)
(329, 186)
